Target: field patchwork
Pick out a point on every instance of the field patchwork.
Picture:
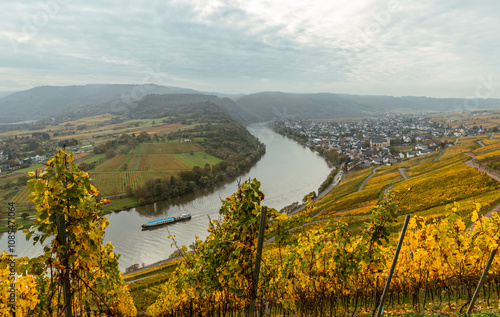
(171, 148)
(197, 159)
(166, 162)
(113, 164)
(22, 196)
(113, 183)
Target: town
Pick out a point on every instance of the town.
(378, 140)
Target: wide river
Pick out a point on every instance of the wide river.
(287, 172)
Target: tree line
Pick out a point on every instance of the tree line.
(198, 178)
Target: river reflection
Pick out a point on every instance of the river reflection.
(287, 172)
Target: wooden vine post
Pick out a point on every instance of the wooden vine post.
(481, 281)
(63, 240)
(258, 258)
(393, 266)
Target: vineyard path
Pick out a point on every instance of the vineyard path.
(367, 179)
(403, 173)
(478, 167)
(439, 155)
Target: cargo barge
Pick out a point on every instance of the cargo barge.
(166, 221)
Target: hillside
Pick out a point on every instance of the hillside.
(333, 261)
(161, 105)
(184, 146)
(72, 102)
(5, 93)
(78, 101)
(267, 106)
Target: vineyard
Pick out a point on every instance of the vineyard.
(170, 148)
(147, 161)
(488, 155)
(463, 145)
(349, 185)
(487, 121)
(81, 276)
(441, 182)
(337, 262)
(443, 186)
(22, 197)
(487, 148)
(112, 183)
(141, 163)
(113, 164)
(326, 269)
(423, 164)
(384, 177)
(332, 259)
(493, 141)
(166, 162)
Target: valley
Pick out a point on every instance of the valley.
(165, 158)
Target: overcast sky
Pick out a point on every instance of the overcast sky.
(395, 47)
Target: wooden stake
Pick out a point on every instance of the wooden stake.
(62, 239)
(260, 242)
(481, 281)
(393, 266)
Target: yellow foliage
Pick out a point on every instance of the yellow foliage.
(77, 258)
(488, 155)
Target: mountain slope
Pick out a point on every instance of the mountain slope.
(156, 106)
(276, 105)
(82, 101)
(77, 101)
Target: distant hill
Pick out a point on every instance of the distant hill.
(81, 101)
(267, 106)
(76, 101)
(157, 106)
(5, 93)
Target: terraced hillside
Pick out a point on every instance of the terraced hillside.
(432, 187)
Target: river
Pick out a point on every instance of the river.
(287, 172)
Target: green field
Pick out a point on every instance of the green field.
(26, 170)
(146, 161)
(197, 159)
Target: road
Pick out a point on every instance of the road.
(368, 178)
(483, 169)
(439, 155)
(491, 174)
(336, 181)
(403, 173)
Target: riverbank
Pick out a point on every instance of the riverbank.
(287, 172)
(148, 270)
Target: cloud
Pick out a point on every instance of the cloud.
(397, 47)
